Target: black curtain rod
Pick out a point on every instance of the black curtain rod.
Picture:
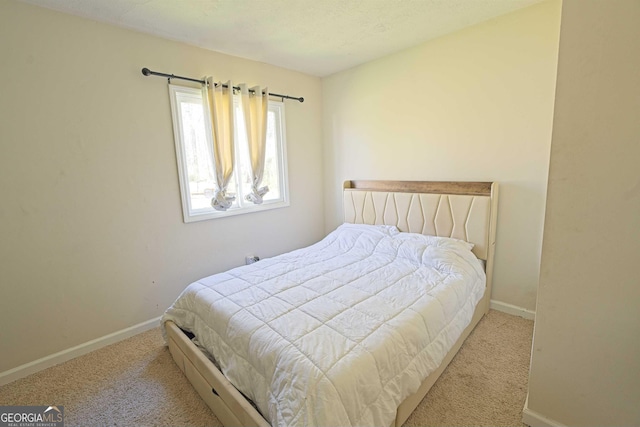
(148, 72)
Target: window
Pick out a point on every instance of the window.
(195, 158)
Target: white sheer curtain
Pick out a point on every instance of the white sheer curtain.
(220, 103)
(255, 106)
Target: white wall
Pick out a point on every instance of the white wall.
(476, 105)
(585, 366)
(92, 238)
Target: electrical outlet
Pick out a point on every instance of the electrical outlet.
(251, 259)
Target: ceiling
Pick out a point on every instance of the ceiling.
(317, 37)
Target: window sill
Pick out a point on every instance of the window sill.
(204, 215)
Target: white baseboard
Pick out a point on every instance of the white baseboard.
(534, 419)
(73, 352)
(512, 309)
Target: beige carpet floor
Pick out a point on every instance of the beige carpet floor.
(135, 383)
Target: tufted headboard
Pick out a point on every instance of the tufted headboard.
(463, 210)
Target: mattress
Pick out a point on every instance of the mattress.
(340, 332)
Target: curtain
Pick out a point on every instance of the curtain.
(255, 108)
(220, 103)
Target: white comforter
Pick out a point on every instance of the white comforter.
(338, 333)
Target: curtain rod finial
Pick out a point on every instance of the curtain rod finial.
(146, 71)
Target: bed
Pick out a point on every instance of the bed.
(306, 357)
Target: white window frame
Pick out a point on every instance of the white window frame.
(240, 205)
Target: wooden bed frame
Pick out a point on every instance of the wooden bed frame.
(463, 210)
